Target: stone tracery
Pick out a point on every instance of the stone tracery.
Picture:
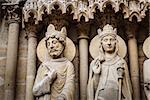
(86, 9)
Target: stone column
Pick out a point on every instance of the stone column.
(133, 58)
(83, 52)
(31, 63)
(12, 50)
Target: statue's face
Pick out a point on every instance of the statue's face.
(109, 43)
(55, 48)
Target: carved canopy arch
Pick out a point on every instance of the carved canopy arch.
(124, 9)
(30, 8)
(113, 3)
(41, 10)
(29, 13)
(72, 6)
(86, 9)
(135, 14)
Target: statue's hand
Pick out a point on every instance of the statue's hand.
(120, 72)
(52, 74)
(97, 67)
(61, 97)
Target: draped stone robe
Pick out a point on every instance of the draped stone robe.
(107, 86)
(45, 89)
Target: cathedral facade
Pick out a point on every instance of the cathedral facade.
(24, 24)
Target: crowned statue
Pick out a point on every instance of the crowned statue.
(56, 75)
(108, 76)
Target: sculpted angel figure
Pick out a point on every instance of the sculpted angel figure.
(55, 76)
(109, 77)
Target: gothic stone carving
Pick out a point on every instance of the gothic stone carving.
(55, 76)
(86, 9)
(12, 11)
(109, 72)
(146, 68)
(147, 78)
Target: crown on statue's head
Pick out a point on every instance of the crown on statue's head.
(52, 33)
(107, 30)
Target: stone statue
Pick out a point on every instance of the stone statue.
(109, 76)
(146, 71)
(146, 68)
(56, 75)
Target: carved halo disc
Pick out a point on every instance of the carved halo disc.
(94, 47)
(69, 51)
(146, 47)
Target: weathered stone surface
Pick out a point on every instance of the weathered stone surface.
(55, 79)
(108, 71)
(21, 67)
(3, 54)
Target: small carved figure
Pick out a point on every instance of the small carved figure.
(109, 76)
(56, 75)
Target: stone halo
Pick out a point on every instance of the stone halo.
(69, 51)
(146, 47)
(94, 47)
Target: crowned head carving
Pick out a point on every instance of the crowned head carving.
(108, 40)
(107, 30)
(55, 41)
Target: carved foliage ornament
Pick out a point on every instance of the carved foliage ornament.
(12, 12)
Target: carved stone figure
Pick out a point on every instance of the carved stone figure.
(146, 68)
(109, 76)
(147, 78)
(55, 76)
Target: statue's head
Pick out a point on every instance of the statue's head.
(108, 41)
(55, 41)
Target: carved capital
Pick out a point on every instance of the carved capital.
(131, 29)
(31, 31)
(83, 30)
(12, 12)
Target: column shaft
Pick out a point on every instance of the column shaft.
(11, 62)
(31, 67)
(83, 51)
(134, 67)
